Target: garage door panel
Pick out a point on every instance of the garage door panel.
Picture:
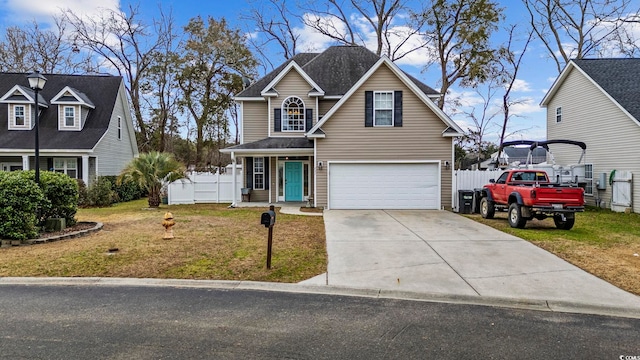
(384, 186)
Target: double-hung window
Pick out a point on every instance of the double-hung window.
(258, 173)
(66, 166)
(559, 114)
(588, 178)
(293, 114)
(383, 108)
(69, 116)
(18, 114)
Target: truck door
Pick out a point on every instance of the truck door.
(500, 190)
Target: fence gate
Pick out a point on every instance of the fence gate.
(621, 190)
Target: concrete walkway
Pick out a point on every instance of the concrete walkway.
(444, 254)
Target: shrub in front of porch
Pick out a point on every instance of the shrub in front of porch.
(19, 202)
(61, 193)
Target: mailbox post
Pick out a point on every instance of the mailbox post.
(268, 219)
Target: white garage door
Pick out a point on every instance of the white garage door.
(384, 186)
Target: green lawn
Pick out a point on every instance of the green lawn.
(602, 242)
(211, 242)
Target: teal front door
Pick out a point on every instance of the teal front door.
(293, 181)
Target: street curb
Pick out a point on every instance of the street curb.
(514, 303)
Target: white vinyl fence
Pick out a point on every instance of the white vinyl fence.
(205, 188)
(471, 180)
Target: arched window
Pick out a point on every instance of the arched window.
(293, 114)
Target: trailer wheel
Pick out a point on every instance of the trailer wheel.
(565, 223)
(487, 208)
(515, 216)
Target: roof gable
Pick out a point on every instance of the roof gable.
(22, 95)
(616, 78)
(69, 95)
(269, 89)
(254, 90)
(451, 125)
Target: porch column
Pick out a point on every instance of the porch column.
(25, 162)
(233, 174)
(85, 169)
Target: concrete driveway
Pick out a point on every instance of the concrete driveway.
(439, 252)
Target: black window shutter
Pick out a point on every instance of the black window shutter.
(266, 173)
(79, 168)
(277, 119)
(368, 108)
(308, 118)
(50, 164)
(249, 173)
(397, 108)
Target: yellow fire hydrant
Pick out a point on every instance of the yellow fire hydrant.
(168, 224)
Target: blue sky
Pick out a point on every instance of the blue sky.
(536, 76)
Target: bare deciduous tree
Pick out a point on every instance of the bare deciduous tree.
(125, 45)
(275, 22)
(510, 63)
(29, 48)
(574, 29)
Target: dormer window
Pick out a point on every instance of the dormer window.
(20, 106)
(73, 109)
(293, 114)
(19, 115)
(69, 116)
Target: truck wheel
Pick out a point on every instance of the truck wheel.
(515, 216)
(567, 223)
(487, 208)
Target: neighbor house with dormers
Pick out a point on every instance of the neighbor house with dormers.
(85, 127)
(344, 129)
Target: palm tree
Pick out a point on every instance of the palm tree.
(152, 171)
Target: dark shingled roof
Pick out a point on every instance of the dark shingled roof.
(335, 70)
(276, 143)
(101, 91)
(620, 78)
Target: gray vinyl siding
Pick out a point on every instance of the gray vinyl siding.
(292, 84)
(420, 137)
(611, 136)
(114, 154)
(254, 121)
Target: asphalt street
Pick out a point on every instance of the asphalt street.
(85, 322)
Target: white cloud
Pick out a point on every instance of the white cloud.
(525, 106)
(401, 38)
(521, 86)
(312, 41)
(43, 11)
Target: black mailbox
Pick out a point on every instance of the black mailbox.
(268, 218)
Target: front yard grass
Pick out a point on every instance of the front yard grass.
(602, 242)
(211, 242)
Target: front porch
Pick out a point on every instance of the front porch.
(275, 171)
(76, 166)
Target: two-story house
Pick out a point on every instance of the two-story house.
(597, 101)
(85, 127)
(346, 129)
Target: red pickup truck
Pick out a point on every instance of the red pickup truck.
(528, 194)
